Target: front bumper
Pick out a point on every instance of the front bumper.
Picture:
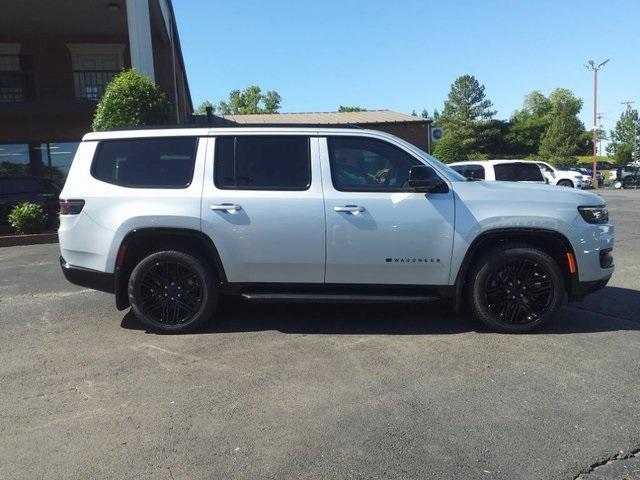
(85, 277)
(581, 289)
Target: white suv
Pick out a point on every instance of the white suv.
(500, 170)
(172, 220)
(564, 178)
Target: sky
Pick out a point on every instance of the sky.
(404, 54)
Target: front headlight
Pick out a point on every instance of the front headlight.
(598, 215)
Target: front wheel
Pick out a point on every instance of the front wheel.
(565, 183)
(516, 289)
(172, 292)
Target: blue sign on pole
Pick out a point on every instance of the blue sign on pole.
(436, 133)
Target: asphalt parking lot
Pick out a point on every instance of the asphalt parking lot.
(284, 391)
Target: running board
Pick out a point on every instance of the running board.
(337, 298)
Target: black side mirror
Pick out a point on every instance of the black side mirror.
(424, 179)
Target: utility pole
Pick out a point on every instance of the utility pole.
(600, 116)
(591, 65)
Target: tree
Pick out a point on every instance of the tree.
(425, 113)
(346, 108)
(131, 100)
(565, 136)
(529, 124)
(249, 101)
(466, 114)
(202, 108)
(449, 149)
(466, 103)
(625, 137)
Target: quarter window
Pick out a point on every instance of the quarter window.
(146, 163)
(368, 165)
(262, 163)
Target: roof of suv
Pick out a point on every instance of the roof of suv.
(204, 132)
(491, 162)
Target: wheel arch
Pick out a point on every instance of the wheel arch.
(551, 241)
(139, 243)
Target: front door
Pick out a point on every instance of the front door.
(262, 207)
(378, 231)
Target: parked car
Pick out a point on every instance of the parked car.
(15, 190)
(501, 170)
(587, 176)
(627, 177)
(172, 220)
(563, 178)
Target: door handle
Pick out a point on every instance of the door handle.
(227, 207)
(354, 209)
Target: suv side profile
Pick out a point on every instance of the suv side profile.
(172, 220)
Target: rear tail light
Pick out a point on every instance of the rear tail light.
(71, 207)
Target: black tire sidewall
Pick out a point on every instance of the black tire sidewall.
(209, 291)
(566, 183)
(489, 263)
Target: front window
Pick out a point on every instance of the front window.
(367, 164)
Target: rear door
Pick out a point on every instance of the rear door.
(378, 230)
(262, 206)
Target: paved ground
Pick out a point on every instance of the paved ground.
(315, 392)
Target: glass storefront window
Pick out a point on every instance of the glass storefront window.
(49, 161)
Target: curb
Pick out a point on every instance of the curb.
(36, 239)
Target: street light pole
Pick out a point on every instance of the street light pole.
(591, 65)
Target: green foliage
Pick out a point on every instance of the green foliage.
(465, 104)
(346, 108)
(250, 101)
(131, 100)
(202, 108)
(450, 149)
(27, 218)
(625, 137)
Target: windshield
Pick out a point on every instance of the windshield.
(441, 167)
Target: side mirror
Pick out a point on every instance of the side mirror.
(424, 179)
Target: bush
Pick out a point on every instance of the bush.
(131, 100)
(449, 149)
(27, 218)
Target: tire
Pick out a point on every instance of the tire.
(172, 292)
(529, 275)
(565, 183)
(617, 184)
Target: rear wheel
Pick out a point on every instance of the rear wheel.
(565, 183)
(516, 289)
(172, 292)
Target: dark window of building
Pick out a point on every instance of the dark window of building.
(16, 78)
(146, 163)
(368, 165)
(518, 172)
(262, 163)
(50, 161)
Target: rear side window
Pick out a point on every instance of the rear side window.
(518, 172)
(262, 163)
(146, 162)
(475, 172)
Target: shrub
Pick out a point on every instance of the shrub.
(27, 218)
(449, 149)
(131, 100)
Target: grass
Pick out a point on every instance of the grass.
(589, 159)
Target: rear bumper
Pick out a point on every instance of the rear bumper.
(88, 278)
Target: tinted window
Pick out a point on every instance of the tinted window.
(366, 164)
(146, 163)
(518, 172)
(262, 163)
(470, 171)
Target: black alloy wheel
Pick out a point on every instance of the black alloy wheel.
(172, 292)
(516, 288)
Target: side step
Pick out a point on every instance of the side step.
(337, 298)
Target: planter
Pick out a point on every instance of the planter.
(35, 239)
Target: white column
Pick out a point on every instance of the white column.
(140, 44)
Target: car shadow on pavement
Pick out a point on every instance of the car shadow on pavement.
(610, 309)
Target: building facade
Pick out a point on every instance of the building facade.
(56, 59)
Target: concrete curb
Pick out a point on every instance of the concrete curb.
(35, 239)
